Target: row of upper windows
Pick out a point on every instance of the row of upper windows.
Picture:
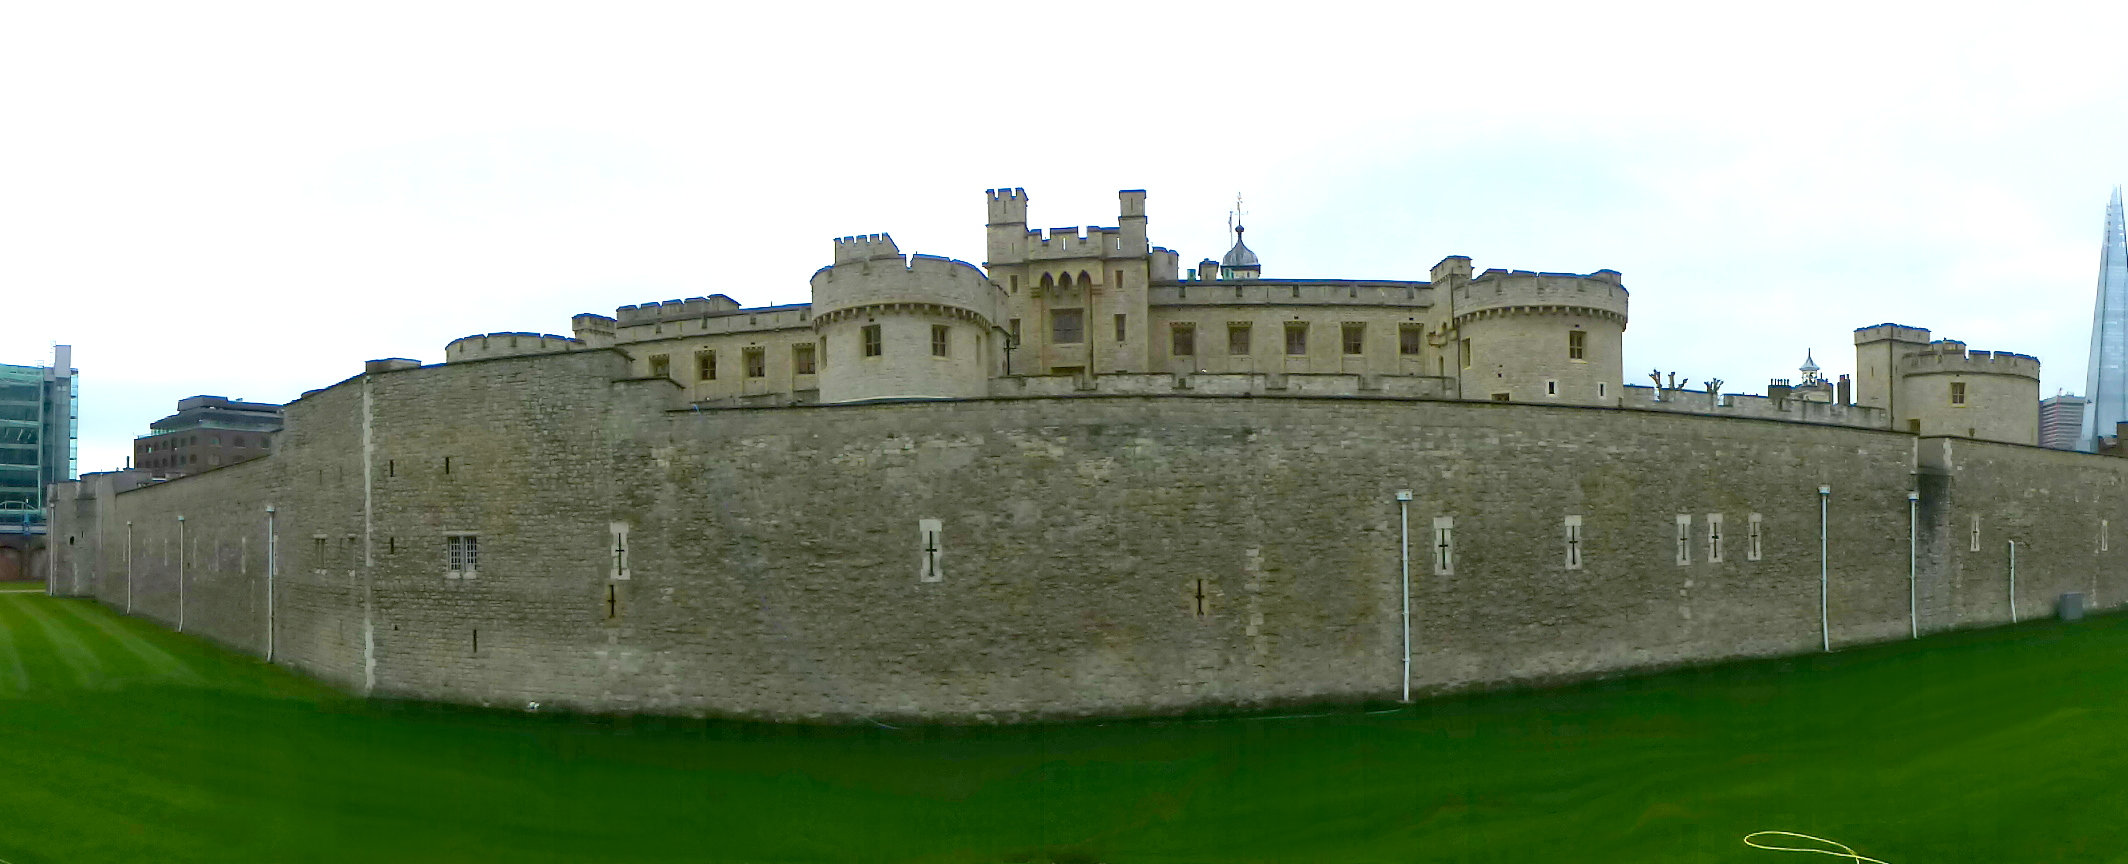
(1068, 327)
(1574, 545)
(162, 446)
(754, 362)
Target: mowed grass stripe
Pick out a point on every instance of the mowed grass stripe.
(162, 663)
(66, 645)
(14, 677)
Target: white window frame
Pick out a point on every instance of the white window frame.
(1975, 546)
(1714, 538)
(2103, 531)
(1684, 539)
(1574, 552)
(1754, 532)
(619, 550)
(461, 554)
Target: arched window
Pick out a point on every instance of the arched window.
(1049, 284)
(1086, 283)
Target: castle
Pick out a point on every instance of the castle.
(1100, 309)
(1079, 480)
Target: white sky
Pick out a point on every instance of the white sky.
(252, 200)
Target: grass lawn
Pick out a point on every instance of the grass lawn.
(120, 741)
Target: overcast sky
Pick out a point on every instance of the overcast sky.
(252, 200)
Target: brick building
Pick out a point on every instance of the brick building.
(206, 432)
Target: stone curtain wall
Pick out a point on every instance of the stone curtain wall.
(1095, 554)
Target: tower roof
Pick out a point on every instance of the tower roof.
(1809, 365)
(1240, 255)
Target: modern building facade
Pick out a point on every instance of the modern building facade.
(2106, 384)
(39, 416)
(2061, 421)
(206, 432)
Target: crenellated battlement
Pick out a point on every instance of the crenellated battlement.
(1951, 357)
(675, 310)
(1073, 241)
(1890, 332)
(865, 247)
(489, 345)
(1499, 291)
(916, 279)
(1007, 206)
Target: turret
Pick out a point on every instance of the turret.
(1536, 337)
(1007, 226)
(921, 327)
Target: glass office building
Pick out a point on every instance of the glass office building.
(39, 437)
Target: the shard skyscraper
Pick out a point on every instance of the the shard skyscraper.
(2107, 384)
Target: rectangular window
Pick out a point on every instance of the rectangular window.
(1577, 345)
(756, 362)
(1121, 329)
(930, 546)
(705, 365)
(1465, 345)
(1411, 339)
(1754, 532)
(1601, 390)
(1297, 338)
(1714, 538)
(1012, 329)
(1067, 326)
(802, 359)
(317, 552)
(1684, 538)
(1015, 284)
(1238, 339)
(2102, 532)
(941, 340)
(1355, 338)
(1958, 392)
(1551, 388)
(1182, 340)
(1444, 545)
(872, 345)
(619, 530)
(660, 365)
(1573, 542)
(461, 554)
(1975, 546)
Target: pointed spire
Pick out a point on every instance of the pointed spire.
(1240, 262)
(2115, 224)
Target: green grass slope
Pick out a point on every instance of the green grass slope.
(120, 741)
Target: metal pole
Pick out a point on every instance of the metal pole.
(272, 562)
(1913, 593)
(1824, 570)
(1404, 554)
(2013, 581)
(180, 574)
(129, 567)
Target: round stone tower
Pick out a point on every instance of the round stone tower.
(1536, 337)
(921, 327)
(1990, 395)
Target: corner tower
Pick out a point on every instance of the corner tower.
(1075, 299)
(920, 327)
(1536, 337)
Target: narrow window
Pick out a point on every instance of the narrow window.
(1411, 339)
(1297, 338)
(1012, 328)
(756, 360)
(1199, 598)
(2102, 535)
(1067, 326)
(928, 545)
(446, 464)
(941, 340)
(1573, 542)
(1182, 340)
(1502, 397)
(1551, 388)
(820, 353)
(1118, 281)
(1238, 339)
(1120, 319)
(1355, 338)
(705, 365)
(660, 365)
(1754, 531)
(1714, 538)
(1958, 392)
(461, 554)
(1975, 545)
(1015, 284)
(317, 552)
(871, 340)
(619, 551)
(1444, 545)
(1577, 345)
(1601, 390)
(1465, 345)
(1684, 538)
(802, 359)
(612, 601)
